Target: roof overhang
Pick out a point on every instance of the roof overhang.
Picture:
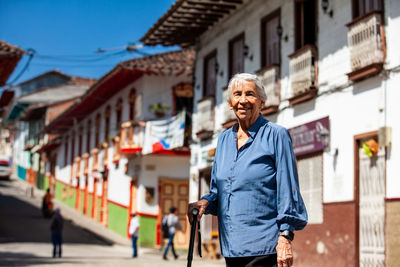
(9, 58)
(6, 97)
(186, 20)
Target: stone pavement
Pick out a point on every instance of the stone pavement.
(99, 247)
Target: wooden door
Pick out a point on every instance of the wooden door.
(175, 193)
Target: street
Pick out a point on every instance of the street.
(25, 237)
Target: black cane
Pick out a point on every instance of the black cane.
(195, 212)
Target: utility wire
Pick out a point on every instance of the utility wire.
(30, 54)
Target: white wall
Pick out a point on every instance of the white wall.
(352, 108)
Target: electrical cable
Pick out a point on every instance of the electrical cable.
(30, 54)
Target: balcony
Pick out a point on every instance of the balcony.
(132, 137)
(205, 117)
(95, 157)
(303, 74)
(85, 158)
(269, 76)
(366, 42)
(117, 149)
(229, 115)
(77, 161)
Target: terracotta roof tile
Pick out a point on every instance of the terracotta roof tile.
(10, 50)
(170, 63)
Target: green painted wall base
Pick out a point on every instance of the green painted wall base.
(147, 233)
(117, 219)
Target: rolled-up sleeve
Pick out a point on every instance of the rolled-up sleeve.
(212, 197)
(292, 214)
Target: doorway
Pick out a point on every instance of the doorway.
(175, 193)
(370, 193)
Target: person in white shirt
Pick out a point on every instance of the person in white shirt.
(134, 232)
(173, 224)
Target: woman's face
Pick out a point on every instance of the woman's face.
(245, 101)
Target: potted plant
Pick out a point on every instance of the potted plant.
(159, 109)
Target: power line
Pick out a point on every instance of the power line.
(30, 54)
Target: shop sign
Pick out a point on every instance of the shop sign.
(311, 137)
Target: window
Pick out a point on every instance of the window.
(310, 181)
(97, 130)
(89, 126)
(118, 114)
(270, 40)
(305, 23)
(362, 7)
(236, 55)
(107, 124)
(210, 74)
(132, 99)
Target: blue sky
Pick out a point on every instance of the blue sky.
(65, 33)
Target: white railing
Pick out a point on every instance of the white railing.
(205, 114)
(132, 135)
(229, 115)
(270, 79)
(365, 41)
(303, 70)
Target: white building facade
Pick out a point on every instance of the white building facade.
(330, 70)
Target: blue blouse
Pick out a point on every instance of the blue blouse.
(254, 191)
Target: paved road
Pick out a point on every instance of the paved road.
(24, 237)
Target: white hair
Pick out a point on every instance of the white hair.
(239, 78)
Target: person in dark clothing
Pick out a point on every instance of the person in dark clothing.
(56, 232)
(47, 204)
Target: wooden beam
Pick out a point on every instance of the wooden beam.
(192, 8)
(207, 13)
(211, 4)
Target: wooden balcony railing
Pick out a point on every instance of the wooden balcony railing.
(269, 76)
(85, 158)
(229, 115)
(117, 149)
(303, 74)
(105, 156)
(366, 42)
(132, 136)
(205, 117)
(77, 161)
(95, 158)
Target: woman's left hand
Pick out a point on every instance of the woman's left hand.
(284, 252)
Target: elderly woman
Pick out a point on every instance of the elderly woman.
(254, 188)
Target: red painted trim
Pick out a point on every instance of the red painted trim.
(394, 199)
(131, 150)
(154, 216)
(118, 204)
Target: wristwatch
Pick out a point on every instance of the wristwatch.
(287, 234)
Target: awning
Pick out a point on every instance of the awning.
(16, 111)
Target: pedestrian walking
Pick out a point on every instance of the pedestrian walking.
(56, 232)
(47, 204)
(254, 187)
(172, 222)
(134, 226)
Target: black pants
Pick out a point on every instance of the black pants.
(254, 261)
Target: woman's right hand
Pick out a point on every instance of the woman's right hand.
(201, 205)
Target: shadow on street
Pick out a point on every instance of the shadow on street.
(23, 222)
